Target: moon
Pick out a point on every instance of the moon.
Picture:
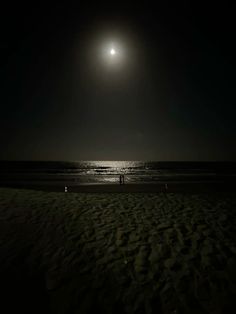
(112, 52)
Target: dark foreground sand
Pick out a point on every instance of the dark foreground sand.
(117, 253)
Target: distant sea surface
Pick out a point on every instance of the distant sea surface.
(108, 172)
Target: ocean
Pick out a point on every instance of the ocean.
(108, 172)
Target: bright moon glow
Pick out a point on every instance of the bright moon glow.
(112, 52)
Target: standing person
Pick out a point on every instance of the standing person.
(123, 179)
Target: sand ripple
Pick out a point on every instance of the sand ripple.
(122, 253)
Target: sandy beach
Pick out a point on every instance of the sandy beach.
(117, 252)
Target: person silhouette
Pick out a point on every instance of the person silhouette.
(122, 179)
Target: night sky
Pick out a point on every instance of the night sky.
(171, 98)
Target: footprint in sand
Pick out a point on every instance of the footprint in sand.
(121, 237)
(141, 260)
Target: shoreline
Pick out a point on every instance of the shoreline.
(168, 187)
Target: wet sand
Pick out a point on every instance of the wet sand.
(163, 186)
(117, 252)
